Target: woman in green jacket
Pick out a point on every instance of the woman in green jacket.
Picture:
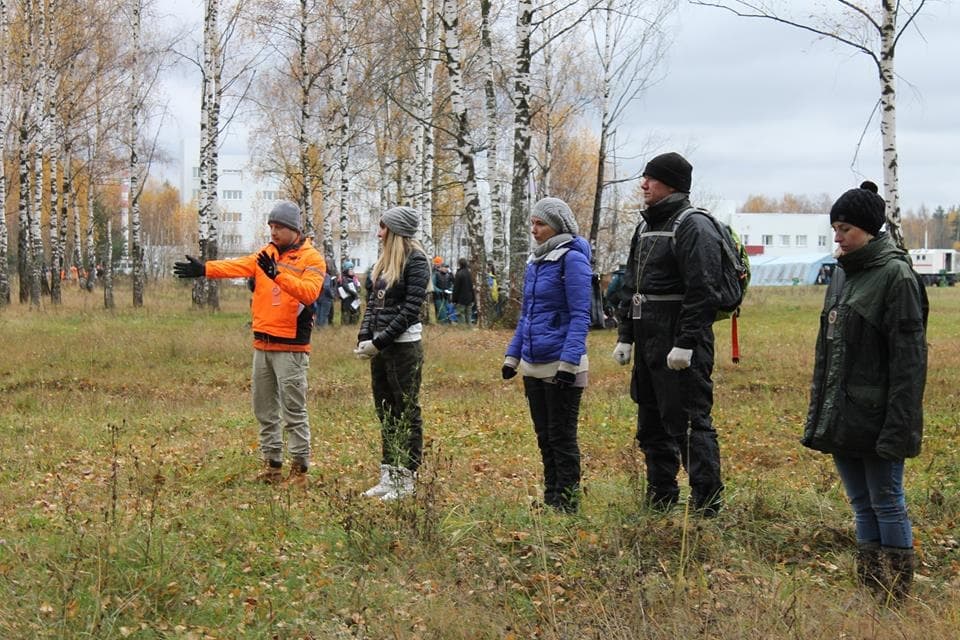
(867, 392)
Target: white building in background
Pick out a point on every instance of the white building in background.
(784, 234)
(245, 201)
(244, 198)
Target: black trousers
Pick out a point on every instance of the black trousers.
(555, 411)
(395, 374)
(674, 425)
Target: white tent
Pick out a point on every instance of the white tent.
(788, 270)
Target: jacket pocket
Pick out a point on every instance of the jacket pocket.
(862, 414)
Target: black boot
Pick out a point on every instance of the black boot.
(900, 566)
(870, 571)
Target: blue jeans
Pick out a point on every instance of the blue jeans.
(874, 487)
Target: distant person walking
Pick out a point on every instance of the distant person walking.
(288, 275)
(325, 301)
(549, 346)
(866, 401)
(463, 297)
(348, 290)
(442, 291)
(390, 337)
(666, 320)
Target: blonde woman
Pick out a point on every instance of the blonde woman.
(390, 338)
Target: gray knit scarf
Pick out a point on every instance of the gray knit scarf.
(552, 243)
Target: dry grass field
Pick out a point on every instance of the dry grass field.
(127, 449)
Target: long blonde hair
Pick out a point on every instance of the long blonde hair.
(396, 249)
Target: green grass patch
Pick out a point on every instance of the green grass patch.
(127, 510)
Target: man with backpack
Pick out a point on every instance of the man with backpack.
(669, 302)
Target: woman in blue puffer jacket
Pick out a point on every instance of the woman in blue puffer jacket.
(549, 346)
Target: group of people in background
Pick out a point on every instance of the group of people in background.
(866, 393)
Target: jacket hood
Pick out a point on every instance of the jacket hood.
(580, 244)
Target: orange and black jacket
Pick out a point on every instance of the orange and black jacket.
(282, 308)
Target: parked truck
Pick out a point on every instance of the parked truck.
(937, 267)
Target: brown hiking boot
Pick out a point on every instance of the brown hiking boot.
(272, 472)
(298, 476)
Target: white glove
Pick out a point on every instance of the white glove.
(621, 352)
(366, 350)
(679, 359)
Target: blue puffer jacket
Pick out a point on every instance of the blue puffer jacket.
(555, 315)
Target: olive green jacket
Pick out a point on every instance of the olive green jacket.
(871, 358)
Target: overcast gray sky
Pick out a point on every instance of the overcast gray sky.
(762, 108)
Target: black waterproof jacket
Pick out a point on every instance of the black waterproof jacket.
(391, 311)
(871, 358)
(687, 264)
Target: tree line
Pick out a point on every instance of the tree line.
(467, 110)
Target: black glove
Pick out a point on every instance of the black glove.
(508, 372)
(564, 378)
(268, 264)
(193, 268)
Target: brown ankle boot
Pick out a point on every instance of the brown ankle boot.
(900, 565)
(870, 571)
(298, 476)
(272, 472)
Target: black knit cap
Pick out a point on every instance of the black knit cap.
(861, 208)
(672, 169)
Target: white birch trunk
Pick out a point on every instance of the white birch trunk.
(53, 224)
(428, 44)
(91, 263)
(39, 124)
(136, 242)
(206, 292)
(493, 154)
(471, 197)
(306, 82)
(4, 120)
(888, 119)
(519, 192)
(108, 267)
(344, 140)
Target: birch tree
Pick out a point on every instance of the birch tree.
(498, 247)
(521, 94)
(4, 121)
(868, 29)
(218, 43)
(206, 292)
(630, 43)
(471, 196)
(423, 134)
(519, 188)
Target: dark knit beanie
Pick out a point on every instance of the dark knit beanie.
(672, 169)
(861, 208)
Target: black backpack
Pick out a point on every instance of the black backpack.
(734, 264)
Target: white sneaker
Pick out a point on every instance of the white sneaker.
(401, 484)
(382, 487)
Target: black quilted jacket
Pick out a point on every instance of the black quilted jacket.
(390, 311)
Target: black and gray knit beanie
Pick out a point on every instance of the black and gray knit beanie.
(861, 208)
(672, 169)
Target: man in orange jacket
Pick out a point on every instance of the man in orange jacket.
(289, 274)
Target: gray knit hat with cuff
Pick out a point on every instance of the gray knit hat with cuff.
(557, 214)
(402, 221)
(286, 213)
